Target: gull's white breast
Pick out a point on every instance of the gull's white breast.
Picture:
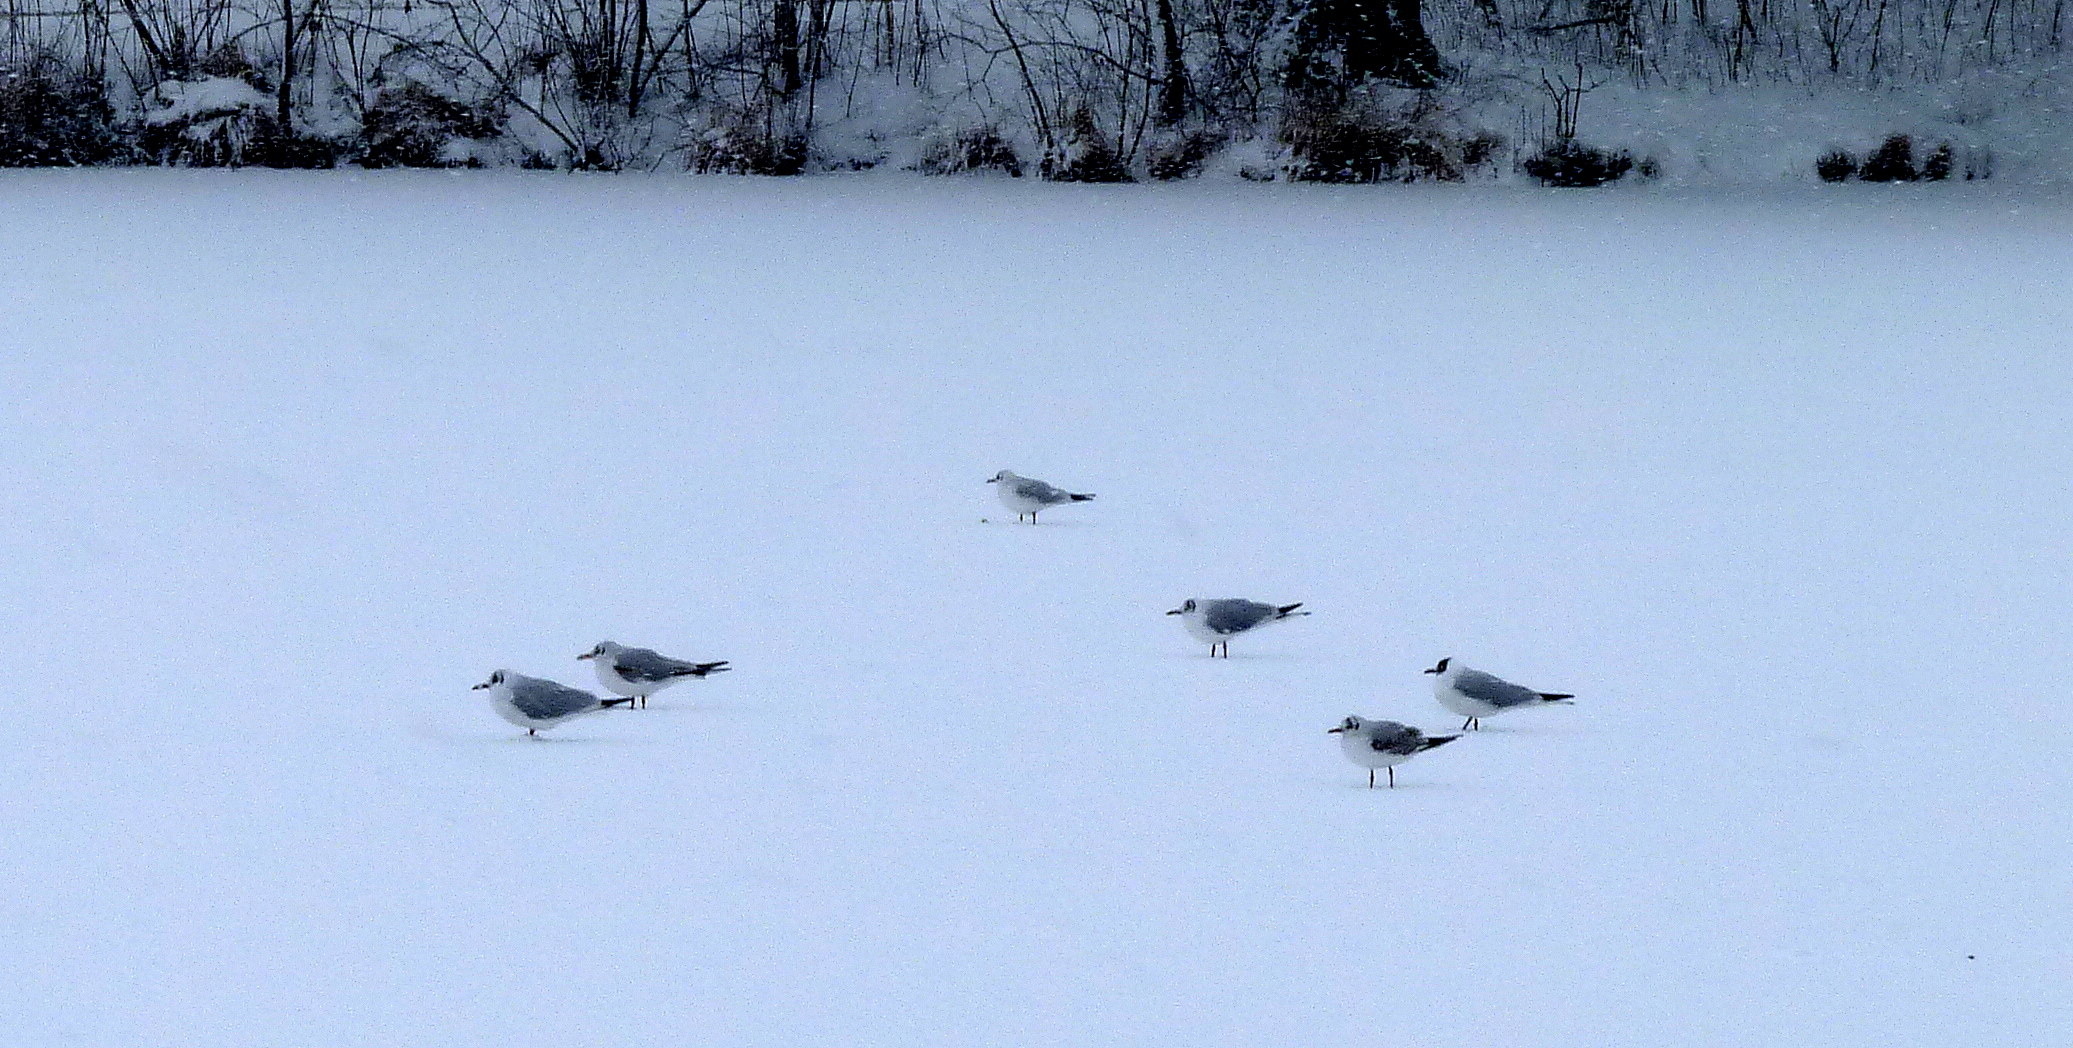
(608, 678)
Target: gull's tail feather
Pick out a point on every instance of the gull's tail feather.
(1435, 740)
(606, 704)
(704, 668)
(1077, 497)
(1552, 696)
(1287, 610)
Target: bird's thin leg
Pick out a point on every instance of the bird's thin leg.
(1371, 778)
(1392, 778)
(532, 733)
(1466, 723)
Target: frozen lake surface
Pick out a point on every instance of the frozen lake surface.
(1777, 485)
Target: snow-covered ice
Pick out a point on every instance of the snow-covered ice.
(1777, 485)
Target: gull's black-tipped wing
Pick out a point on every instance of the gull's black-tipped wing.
(1039, 491)
(1495, 691)
(644, 666)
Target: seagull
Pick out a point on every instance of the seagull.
(1475, 694)
(1026, 496)
(536, 704)
(639, 672)
(1217, 621)
(1383, 744)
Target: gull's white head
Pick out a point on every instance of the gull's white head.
(1187, 607)
(494, 680)
(604, 647)
(1006, 474)
(1349, 724)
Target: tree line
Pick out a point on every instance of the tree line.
(1086, 89)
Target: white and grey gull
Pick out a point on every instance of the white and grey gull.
(1027, 495)
(640, 672)
(537, 704)
(1216, 621)
(1475, 694)
(1383, 744)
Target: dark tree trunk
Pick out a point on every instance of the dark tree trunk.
(283, 103)
(1173, 88)
(640, 48)
(784, 25)
(1341, 44)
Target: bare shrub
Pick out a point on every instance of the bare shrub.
(1938, 167)
(1570, 164)
(51, 116)
(1181, 154)
(1370, 141)
(972, 149)
(414, 126)
(1836, 165)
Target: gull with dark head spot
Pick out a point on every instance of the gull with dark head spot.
(1475, 694)
(1026, 495)
(1383, 744)
(640, 672)
(1216, 621)
(536, 704)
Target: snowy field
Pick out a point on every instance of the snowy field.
(1777, 485)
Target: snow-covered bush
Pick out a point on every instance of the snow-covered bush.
(745, 142)
(1937, 168)
(1181, 154)
(211, 122)
(1087, 154)
(1893, 161)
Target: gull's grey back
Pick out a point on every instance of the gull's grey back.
(545, 700)
(1038, 491)
(1236, 616)
(1495, 691)
(1391, 737)
(648, 666)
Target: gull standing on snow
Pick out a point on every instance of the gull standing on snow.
(639, 672)
(1383, 744)
(536, 704)
(1217, 621)
(1475, 694)
(1025, 495)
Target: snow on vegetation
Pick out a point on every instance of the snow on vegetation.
(195, 102)
(1776, 487)
(1565, 92)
